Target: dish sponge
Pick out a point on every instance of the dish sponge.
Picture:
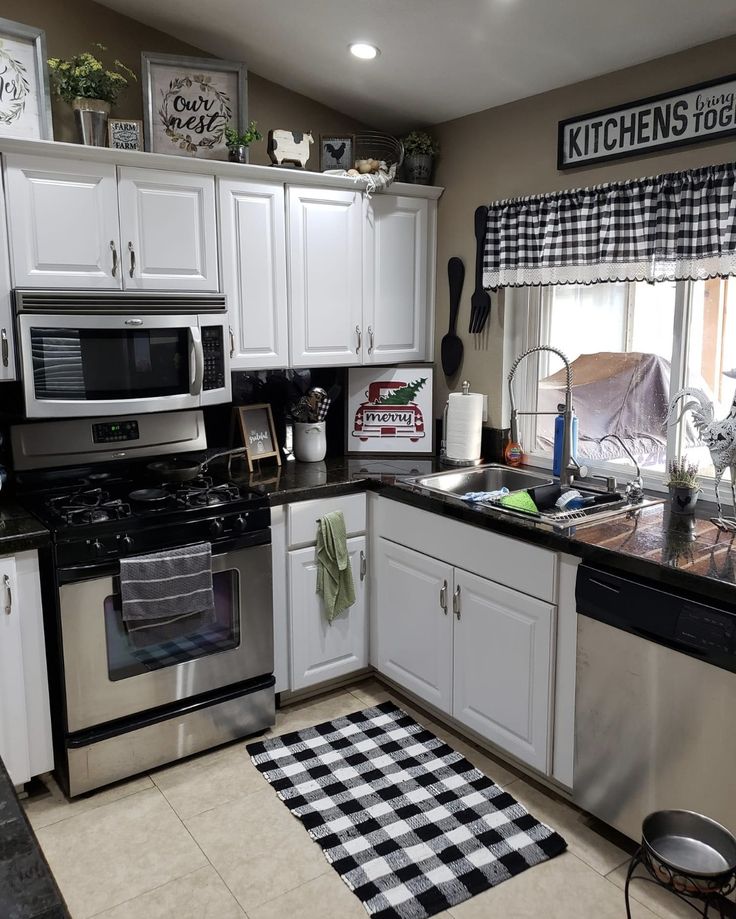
(520, 501)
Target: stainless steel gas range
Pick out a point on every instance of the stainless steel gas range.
(122, 708)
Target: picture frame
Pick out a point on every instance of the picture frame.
(25, 100)
(375, 426)
(258, 433)
(125, 134)
(188, 101)
(330, 145)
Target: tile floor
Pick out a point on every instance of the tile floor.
(208, 839)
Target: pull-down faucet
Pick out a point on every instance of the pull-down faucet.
(569, 465)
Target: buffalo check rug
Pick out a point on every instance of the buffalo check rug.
(410, 825)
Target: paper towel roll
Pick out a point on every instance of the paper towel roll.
(464, 424)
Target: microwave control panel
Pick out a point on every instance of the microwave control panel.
(214, 357)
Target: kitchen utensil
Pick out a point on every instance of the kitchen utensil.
(480, 302)
(180, 469)
(151, 497)
(451, 346)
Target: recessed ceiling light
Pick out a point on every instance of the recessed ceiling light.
(364, 50)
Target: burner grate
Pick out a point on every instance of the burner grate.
(89, 505)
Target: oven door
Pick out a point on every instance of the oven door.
(85, 365)
(106, 677)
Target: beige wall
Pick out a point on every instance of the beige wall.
(512, 150)
(74, 25)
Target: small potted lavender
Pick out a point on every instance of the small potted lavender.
(683, 486)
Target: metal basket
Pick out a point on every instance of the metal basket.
(373, 145)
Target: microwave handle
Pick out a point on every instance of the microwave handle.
(196, 361)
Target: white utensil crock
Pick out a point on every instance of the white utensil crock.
(310, 441)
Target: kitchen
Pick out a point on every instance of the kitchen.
(561, 663)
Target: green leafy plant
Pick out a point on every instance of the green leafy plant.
(418, 143)
(85, 75)
(249, 136)
(683, 474)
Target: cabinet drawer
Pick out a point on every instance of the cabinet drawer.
(302, 518)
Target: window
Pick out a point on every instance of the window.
(632, 346)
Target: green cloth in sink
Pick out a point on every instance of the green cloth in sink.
(519, 501)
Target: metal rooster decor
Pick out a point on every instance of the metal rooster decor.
(718, 436)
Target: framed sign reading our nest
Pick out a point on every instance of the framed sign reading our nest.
(258, 433)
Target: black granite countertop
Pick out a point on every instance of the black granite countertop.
(27, 887)
(19, 530)
(689, 555)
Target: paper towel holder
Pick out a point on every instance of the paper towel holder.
(445, 460)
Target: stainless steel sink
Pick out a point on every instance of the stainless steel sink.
(492, 477)
(480, 478)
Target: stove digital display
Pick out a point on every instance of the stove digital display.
(109, 432)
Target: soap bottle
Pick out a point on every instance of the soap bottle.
(559, 434)
(513, 453)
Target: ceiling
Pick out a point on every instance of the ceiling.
(440, 59)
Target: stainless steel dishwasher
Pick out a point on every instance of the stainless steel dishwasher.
(655, 713)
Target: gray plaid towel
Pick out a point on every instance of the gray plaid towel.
(167, 594)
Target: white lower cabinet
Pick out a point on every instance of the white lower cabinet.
(321, 650)
(414, 626)
(25, 723)
(502, 663)
(471, 647)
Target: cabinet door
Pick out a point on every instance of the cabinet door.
(321, 650)
(325, 238)
(414, 622)
(253, 257)
(396, 281)
(64, 221)
(13, 719)
(168, 230)
(503, 653)
(7, 338)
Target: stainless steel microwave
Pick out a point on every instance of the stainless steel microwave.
(86, 353)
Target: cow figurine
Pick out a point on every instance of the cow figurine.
(290, 147)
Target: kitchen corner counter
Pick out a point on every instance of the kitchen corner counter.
(27, 887)
(687, 554)
(19, 530)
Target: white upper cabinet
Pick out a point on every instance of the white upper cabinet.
(168, 229)
(502, 663)
(325, 247)
(397, 282)
(7, 338)
(253, 259)
(63, 222)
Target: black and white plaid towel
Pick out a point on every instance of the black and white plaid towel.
(411, 826)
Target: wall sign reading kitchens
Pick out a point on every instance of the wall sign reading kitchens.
(685, 116)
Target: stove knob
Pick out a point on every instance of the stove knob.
(240, 524)
(216, 528)
(96, 548)
(126, 543)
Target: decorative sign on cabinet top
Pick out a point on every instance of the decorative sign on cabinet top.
(697, 113)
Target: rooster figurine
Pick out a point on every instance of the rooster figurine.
(718, 436)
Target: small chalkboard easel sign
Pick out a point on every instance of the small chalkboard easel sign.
(258, 433)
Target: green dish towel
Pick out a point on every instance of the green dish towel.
(334, 573)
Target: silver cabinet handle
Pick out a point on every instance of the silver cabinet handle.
(5, 347)
(114, 258)
(363, 565)
(456, 602)
(8, 595)
(370, 340)
(443, 597)
(232, 340)
(132, 258)
(359, 333)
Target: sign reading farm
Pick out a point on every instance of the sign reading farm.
(686, 116)
(189, 102)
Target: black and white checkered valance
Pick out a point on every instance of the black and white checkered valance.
(669, 227)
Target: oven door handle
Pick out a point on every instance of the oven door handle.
(196, 361)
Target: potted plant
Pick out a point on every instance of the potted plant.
(420, 150)
(91, 89)
(683, 486)
(237, 144)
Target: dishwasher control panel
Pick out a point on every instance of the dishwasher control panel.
(702, 627)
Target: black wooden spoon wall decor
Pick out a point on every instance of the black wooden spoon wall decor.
(451, 347)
